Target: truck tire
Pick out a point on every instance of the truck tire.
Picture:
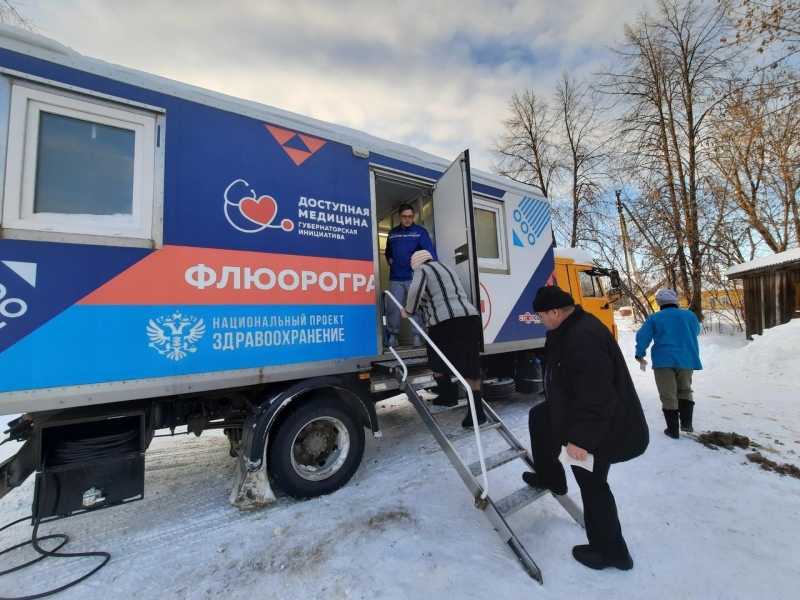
(528, 377)
(528, 386)
(497, 388)
(316, 449)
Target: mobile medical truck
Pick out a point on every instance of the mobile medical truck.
(171, 256)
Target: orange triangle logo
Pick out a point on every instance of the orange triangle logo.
(298, 156)
(288, 138)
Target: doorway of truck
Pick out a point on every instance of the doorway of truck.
(444, 207)
(393, 190)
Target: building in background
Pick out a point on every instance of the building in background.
(771, 290)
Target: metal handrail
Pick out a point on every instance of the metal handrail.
(461, 379)
(402, 364)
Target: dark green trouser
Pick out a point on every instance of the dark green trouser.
(673, 385)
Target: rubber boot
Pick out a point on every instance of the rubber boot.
(686, 408)
(467, 422)
(446, 392)
(672, 418)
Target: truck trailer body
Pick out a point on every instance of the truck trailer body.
(173, 256)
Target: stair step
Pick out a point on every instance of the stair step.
(419, 378)
(438, 410)
(392, 364)
(497, 460)
(495, 512)
(519, 499)
(460, 435)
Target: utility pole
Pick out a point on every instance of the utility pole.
(625, 243)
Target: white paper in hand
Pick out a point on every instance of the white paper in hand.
(587, 463)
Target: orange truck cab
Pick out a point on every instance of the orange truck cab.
(593, 287)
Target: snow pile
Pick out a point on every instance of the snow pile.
(407, 516)
(774, 356)
(718, 350)
(625, 322)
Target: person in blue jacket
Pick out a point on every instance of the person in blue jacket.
(403, 241)
(676, 355)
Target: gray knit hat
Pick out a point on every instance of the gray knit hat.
(666, 296)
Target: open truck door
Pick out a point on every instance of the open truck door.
(455, 234)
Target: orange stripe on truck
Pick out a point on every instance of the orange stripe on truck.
(186, 275)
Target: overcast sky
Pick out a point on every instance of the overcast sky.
(433, 74)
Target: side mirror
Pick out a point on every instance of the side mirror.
(616, 282)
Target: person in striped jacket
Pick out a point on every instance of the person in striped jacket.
(454, 325)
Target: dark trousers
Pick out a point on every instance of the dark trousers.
(544, 450)
(599, 508)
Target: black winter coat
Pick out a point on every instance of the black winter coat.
(593, 402)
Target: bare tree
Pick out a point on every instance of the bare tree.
(10, 15)
(672, 66)
(583, 154)
(739, 151)
(768, 24)
(526, 149)
(782, 142)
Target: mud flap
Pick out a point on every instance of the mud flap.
(251, 488)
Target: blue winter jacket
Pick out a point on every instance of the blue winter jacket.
(673, 332)
(402, 243)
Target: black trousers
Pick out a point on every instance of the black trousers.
(599, 508)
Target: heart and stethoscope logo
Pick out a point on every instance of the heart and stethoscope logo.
(252, 213)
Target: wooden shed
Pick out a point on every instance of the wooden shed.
(771, 290)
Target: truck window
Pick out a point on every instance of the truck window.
(598, 286)
(78, 165)
(486, 233)
(490, 234)
(588, 285)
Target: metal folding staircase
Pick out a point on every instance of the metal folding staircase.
(497, 511)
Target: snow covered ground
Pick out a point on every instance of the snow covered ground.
(700, 523)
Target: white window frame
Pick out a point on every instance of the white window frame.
(499, 264)
(27, 103)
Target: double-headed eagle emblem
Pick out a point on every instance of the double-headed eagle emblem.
(175, 335)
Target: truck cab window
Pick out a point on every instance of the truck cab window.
(598, 286)
(588, 289)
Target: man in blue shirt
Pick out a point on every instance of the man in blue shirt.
(676, 355)
(404, 240)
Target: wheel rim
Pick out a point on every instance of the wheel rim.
(320, 448)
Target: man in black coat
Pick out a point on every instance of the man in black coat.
(591, 407)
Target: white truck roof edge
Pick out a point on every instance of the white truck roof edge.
(39, 46)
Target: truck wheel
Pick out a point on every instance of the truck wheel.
(497, 388)
(316, 449)
(528, 386)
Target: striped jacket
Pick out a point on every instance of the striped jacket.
(436, 292)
